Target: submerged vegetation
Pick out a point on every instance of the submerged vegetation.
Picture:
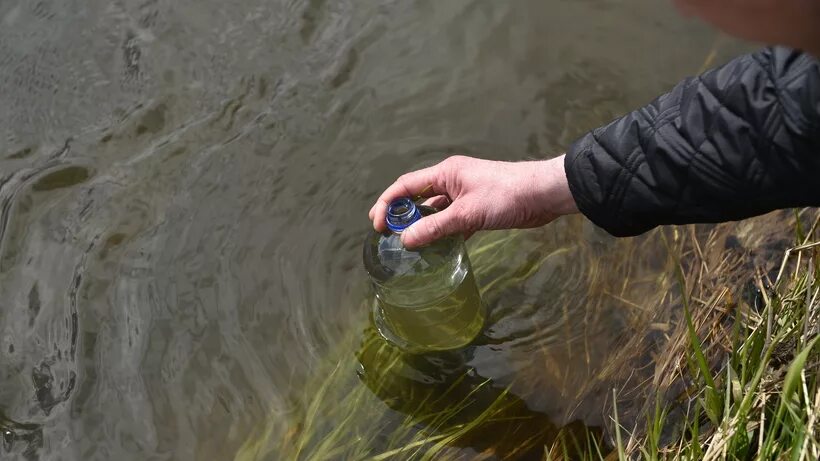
(717, 357)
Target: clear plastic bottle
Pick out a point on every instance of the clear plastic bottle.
(427, 298)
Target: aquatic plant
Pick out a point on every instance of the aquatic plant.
(710, 362)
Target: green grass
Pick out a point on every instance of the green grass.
(763, 402)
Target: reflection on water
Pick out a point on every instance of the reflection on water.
(183, 188)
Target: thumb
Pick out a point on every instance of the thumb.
(431, 228)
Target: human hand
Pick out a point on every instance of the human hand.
(475, 194)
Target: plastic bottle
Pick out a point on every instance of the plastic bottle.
(426, 298)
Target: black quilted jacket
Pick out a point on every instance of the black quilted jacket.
(735, 142)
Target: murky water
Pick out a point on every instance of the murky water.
(185, 187)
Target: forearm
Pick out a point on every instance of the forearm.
(738, 141)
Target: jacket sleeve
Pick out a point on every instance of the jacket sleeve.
(737, 141)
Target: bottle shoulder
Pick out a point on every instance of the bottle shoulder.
(385, 257)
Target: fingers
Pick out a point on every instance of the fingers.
(426, 183)
(433, 227)
(439, 202)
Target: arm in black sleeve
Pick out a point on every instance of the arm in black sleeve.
(737, 141)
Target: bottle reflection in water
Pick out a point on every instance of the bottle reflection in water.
(427, 298)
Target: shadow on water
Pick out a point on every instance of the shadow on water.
(443, 395)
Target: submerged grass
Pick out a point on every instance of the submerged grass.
(716, 377)
(370, 405)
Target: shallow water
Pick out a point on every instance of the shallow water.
(184, 194)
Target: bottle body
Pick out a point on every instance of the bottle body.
(427, 298)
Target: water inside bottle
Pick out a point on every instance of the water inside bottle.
(415, 320)
(427, 298)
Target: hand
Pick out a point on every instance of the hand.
(475, 194)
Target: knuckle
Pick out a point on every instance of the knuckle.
(455, 160)
(452, 221)
(460, 213)
(469, 219)
(404, 179)
(403, 184)
(456, 223)
(434, 227)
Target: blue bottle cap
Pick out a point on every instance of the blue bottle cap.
(401, 213)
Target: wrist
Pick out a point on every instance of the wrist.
(553, 185)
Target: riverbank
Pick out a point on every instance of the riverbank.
(760, 398)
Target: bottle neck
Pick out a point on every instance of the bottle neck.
(401, 213)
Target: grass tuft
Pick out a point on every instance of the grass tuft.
(763, 402)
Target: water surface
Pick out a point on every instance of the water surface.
(185, 186)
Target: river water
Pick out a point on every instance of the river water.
(185, 186)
